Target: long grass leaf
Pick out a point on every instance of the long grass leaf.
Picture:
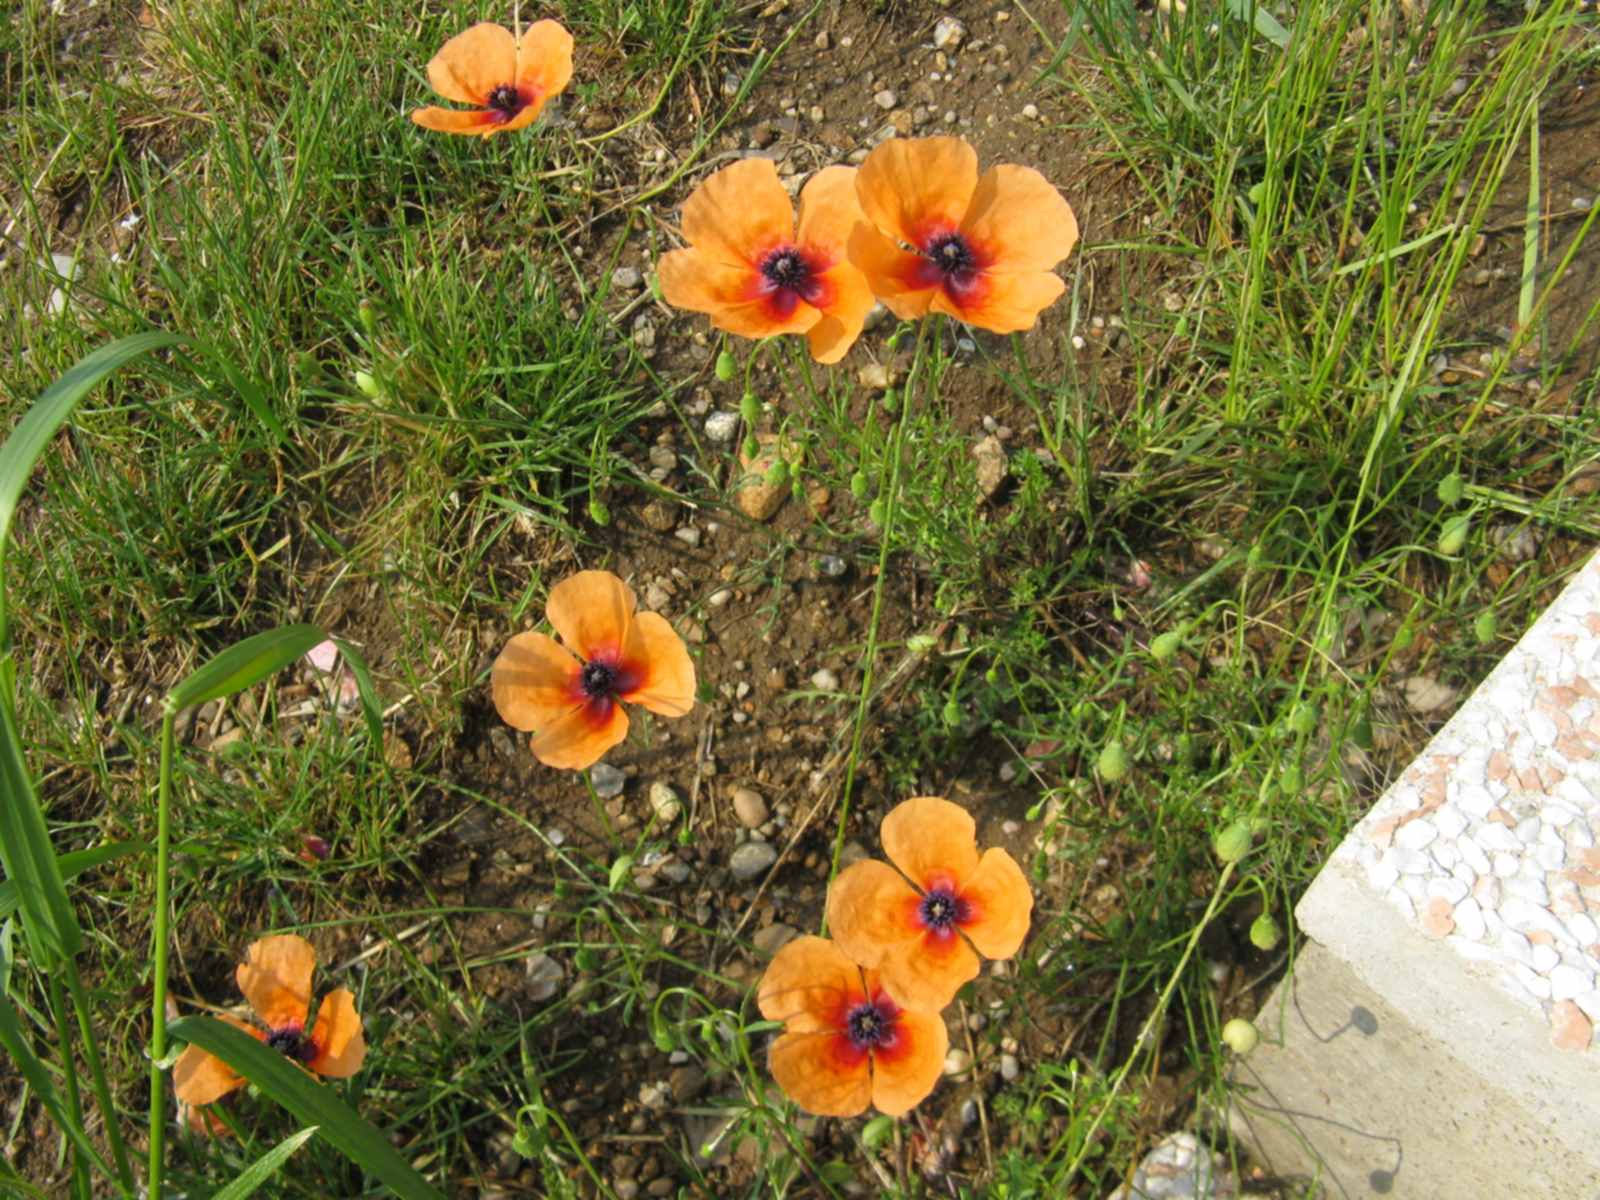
(14, 1039)
(310, 1102)
(265, 1167)
(26, 853)
(71, 865)
(368, 691)
(243, 664)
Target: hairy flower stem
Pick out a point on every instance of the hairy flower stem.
(58, 1006)
(891, 496)
(158, 987)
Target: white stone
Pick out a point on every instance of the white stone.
(1528, 831)
(1534, 984)
(1568, 983)
(1474, 800)
(1415, 835)
(1469, 920)
(1450, 823)
(1475, 951)
(1495, 836)
(1452, 890)
(1542, 728)
(1531, 890)
(1445, 854)
(1524, 916)
(1583, 929)
(1506, 866)
(1383, 874)
(1575, 794)
(1551, 858)
(1590, 1003)
(1472, 854)
(1545, 959)
(1412, 862)
(1517, 947)
(1414, 886)
(1578, 836)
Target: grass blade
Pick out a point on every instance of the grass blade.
(309, 1101)
(71, 865)
(33, 433)
(265, 1167)
(14, 1039)
(1265, 23)
(369, 694)
(25, 851)
(243, 664)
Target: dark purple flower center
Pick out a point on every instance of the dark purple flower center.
(941, 910)
(869, 1025)
(506, 99)
(791, 276)
(292, 1044)
(952, 257)
(599, 680)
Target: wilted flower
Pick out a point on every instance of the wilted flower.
(938, 238)
(569, 694)
(756, 273)
(924, 937)
(507, 80)
(846, 1042)
(276, 979)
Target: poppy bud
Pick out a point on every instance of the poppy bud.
(1233, 843)
(890, 401)
(598, 512)
(750, 408)
(527, 1141)
(1454, 535)
(1240, 1035)
(878, 512)
(1303, 719)
(1112, 764)
(952, 713)
(1264, 932)
(778, 473)
(859, 485)
(1289, 780)
(726, 368)
(1256, 557)
(369, 317)
(1451, 489)
(369, 386)
(750, 449)
(1485, 626)
(1164, 646)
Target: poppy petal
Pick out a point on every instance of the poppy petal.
(829, 210)
(731, 295)
(891, 274)
(872, 910)
(203, 1119)
(1021, 219)
(840, 326)
(926, 974)
(808, 985)
(1005, 303)
(906, 1069)
(544, 61)
(275, 978)
(932, 840)
(527, 115)
(578, 738)
(341, 1046)
(473, 63)
(199, 1077)
(740, 213)
(533, 681)
(813, 1072)
(913, 188)
(591, 612)
(666, 672)
(474, 121)
(1000, 903)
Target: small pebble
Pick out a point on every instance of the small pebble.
(751, 860)
(722, 425)
(607, 780)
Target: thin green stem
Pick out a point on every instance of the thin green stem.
(158, 988)
(69, 1069)
(97, 1076)
(891, 495)
(599, 808)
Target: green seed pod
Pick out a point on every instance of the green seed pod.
(1485, 626)
(750, 408)
(952, 714)
(797, 487)
(750, 449)
(661, 1034)
(877, 1133)
(370, 386)
(778, 473)
(1257, 555)
(1290, 781)
(859, 486)
(369, 317)
(992, 676)
(1164, 646)
(598, 512)
(890, 401)
(1233, 842)
(1303, 718)
(1112, 764)
(1451, 488)
(726, 368)
(527, 1141)
(1240, 1035)
(1453, 537)
(878, 512)
(1264, 933)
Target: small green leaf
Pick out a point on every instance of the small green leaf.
(619, 872)
(876, 1133)
(244, 664)
(1265, 23)
(265, 1167)
(71, 865)
(370, 707)
(312, 1103)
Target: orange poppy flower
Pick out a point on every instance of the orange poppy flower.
(507, 80)
(924, 937)
(756, 273)
(570, 693)
(276, 979)
(846, 1043)
(980, 250)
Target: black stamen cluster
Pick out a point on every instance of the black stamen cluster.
(939, 911)
(598, 679)
(290, 1044)
(506, 98)
(786, 269)
(951, 254)
(868, 1026)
